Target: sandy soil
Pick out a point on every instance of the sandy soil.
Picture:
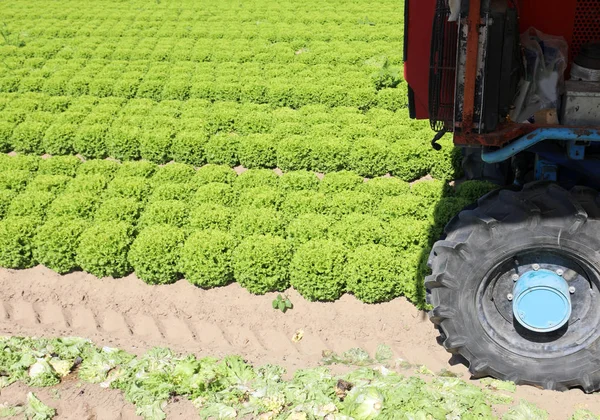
(131, 315)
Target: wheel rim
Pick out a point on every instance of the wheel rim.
(495, 306)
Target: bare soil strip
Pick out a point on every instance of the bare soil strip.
(131, 315)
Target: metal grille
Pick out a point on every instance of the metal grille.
(587, 24)
(442, 69)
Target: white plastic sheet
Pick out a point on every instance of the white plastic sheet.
(545, 60)
(454, 10)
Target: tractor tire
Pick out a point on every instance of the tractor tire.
(473, 270)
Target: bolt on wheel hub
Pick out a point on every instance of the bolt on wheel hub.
(541, 301)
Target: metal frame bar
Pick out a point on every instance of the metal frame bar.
(473, 22)
(537, 136)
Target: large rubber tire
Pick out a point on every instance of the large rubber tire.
(541, 217)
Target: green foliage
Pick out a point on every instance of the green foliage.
(317, 270)
(171, 191)
(27, 137)
(525, 410)
(215, 193)
(20, 163)
(302, 202)
(261, 263)
(154, 254)
(409, 160)
(188, 147)
(135, 187)
(473, 190)
(408, 233)
(106, 168)
(257, 151)
(59, 137)
(432, 190)
(49, 183)
(89, 141)
(372, 273)
(119, 209)
(214, 173)
(345, 202)
(122, 141)
(222, 149)
(141, 168)
(16, 241)
(55, 244)
(30, 203)
(155, 145)
(283, 303)
(210, 216)
(388, 76)
(6, 130)
(206, 258)
(329, 154)
(59, 165)
(340, 181)
(168, 212)
(447, 162)
(357, 229)
(149, 380)
(77, 205)
(173, 172)
(103, 249)
(369, 157)
(382, 186)
(307, 227)
(182, 94)
(406, 205)
(294, 153)
(261, 221)
(392, 99)
(6, 197)
(95, 184)
(256, 178)
(260, 197)
(298, 180)
(15, 180)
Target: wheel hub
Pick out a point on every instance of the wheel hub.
(541, 301)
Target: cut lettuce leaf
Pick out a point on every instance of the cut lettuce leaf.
(37, 410)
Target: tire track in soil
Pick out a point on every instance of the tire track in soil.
(214, 322)
(131, 315)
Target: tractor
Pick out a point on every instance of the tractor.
(515, 280)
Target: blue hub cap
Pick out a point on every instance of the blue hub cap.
(541, 301)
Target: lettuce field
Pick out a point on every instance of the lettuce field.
(255, 84)
(203, 88)
(212, 226)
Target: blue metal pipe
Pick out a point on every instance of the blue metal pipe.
(539, 135)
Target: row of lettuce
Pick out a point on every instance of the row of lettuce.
(258, 20)
(316, 137)
(296, 84)
(211, 226)
(231, 388)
